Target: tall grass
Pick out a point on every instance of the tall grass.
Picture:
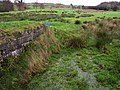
(77, 40)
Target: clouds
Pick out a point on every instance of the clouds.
(74, 2)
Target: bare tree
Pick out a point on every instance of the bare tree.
(20, 4)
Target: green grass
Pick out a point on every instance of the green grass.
(62, 73)
(17, 25)
(59, 10)
(64, 26)
(67, 68)
(110, 14)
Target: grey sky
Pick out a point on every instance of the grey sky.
(74, 2)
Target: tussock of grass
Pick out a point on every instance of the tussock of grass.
(77, 41)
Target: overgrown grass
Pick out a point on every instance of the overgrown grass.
(70, 68)
(62, 74)
(103, 67)
(17, 71)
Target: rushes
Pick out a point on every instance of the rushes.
(77, 41)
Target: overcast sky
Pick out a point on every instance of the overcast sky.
(74, 2)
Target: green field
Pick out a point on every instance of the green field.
(84, 67)
(18, 25)
(60, 24)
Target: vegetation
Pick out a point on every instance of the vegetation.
(88, 59)
(18, 25)
(77, 22)
(106, 6)
(6, 6)
(16, 72)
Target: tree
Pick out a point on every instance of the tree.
(20, 4)
(6, 6)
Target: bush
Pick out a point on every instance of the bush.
(97, 20)
(77, 17)
(86, 15)
(115, 18)
(77, 22)
(62, 20)
(103, 38)
(85, 22)
(77, 41)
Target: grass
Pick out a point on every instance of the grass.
(16, 72)
(59, 10)
(13, 26)
(70, 69)
(64, 26)
(63, 75)
(60, 75)
(110, 14)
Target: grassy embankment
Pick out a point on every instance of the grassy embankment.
(78, 68)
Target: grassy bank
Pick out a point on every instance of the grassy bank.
(88, 59)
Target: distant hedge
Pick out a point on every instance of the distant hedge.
(6, 6)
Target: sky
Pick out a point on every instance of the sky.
(74, 2)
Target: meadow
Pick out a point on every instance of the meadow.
(90, 49)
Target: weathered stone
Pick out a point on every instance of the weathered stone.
(14, 47)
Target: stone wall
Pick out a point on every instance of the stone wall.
(15, 47)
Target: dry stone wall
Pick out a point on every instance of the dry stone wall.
(16, 46)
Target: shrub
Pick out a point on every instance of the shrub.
(67, 21)
(115, 17)
(55, 20)
(97, 20)
(77, 17)
(103, 38)
(77, 22)
(62, 20)
(84, 26)
(85, 22)
(86, 15)
(77, 41)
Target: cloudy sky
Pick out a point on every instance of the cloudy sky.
(74, 2)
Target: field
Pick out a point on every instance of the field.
(90, 49)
